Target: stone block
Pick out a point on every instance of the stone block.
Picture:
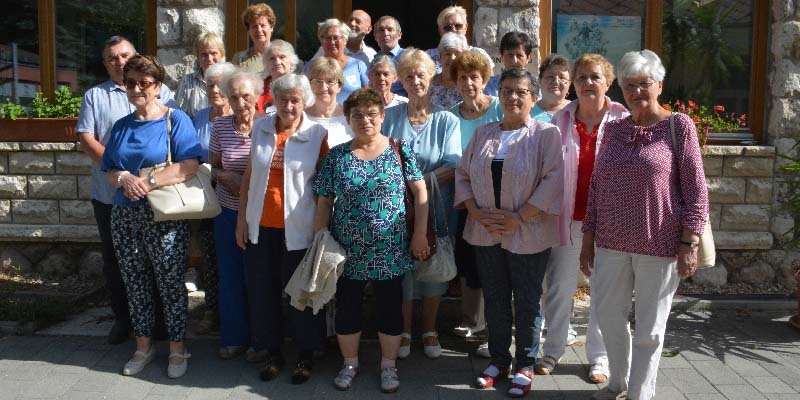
(9, 146)
(12, 261)
(712, 165)
(52, 187)
(78, 212)
(745, 217)
(726, 190)
(715, 214)
(20, 232)
(785, 147)
(757, 273)
(490, 3)
(485, 28)
(534, 4)
(786, 79)
(782, 226)
(758, 151)
(57, 264)
(91, 264)
(199, 20)
(73, 163)
(34, 211)
(733, 240)
(782, 9)
(785, 39)
(13, 187)
(718, 150)
(519, 19)
(5, 211)
(85, 187)
(783, 118)
(31, 163)
(47, 146)
(169, 27)
(787, 268)
(774, 257)
(748, 166)
(177, 62)
(712, 276)
(35, 252)
(3, 163)
(759, 191)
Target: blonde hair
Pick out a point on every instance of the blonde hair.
(324, 65)
(209, 39)
(594, 59)
(415, 58)
(258, 10)
(458, 10)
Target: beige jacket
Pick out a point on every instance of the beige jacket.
(313, 283)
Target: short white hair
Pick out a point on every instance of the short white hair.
(323, 26)
(452, 40)
(382, 60)
(293, 82)
(219, 70)
(255, 83)
(450, 11)
(641, 63)
(278, 44)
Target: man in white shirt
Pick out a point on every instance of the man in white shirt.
(360, 25)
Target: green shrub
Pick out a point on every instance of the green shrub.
(9, 110)
(65, 106)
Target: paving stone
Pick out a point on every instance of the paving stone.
(690, 381)
(770, 384)
(740, 392)
(717, 373)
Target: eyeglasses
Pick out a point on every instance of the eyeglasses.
(362, 116)
(453, 27)
(142, 85)
(324, 83)
(332, 38)
(635, 87)
(519, 92)
(554, 78)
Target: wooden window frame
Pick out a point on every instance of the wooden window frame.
(654, 15)
(46, 15)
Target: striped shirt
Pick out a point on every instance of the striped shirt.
(235, 151)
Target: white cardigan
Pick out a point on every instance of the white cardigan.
(301, 156)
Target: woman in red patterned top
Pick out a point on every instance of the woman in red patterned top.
(647, 207)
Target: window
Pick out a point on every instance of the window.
(20, 75)
(715, 51)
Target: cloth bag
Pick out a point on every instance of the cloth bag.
(313, 283)
(706, 250)
(441, 267)
(193, 198)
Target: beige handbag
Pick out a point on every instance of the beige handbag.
(193, 198)
(706, 250)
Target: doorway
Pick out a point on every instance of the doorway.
(418, 22)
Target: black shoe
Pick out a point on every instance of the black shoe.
(119, 333)
(272, 368)
(302, 372)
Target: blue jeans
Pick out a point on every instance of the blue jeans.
(505, 275)
(231, 271)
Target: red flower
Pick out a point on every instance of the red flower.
(719, 108)
(743, 117)
(666, 106)
(692, 104)
(695, 118)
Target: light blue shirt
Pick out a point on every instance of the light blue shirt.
(397, 87)
(437, 146)
(468, 126)
(203, 128)
(539, 114)
(493, 86)
(355, 76)
(102, 106)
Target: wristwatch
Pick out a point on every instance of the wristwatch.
(152, 181)
(692, 245)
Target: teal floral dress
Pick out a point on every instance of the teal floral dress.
(369, 216)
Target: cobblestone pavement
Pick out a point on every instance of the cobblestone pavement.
(733, 353)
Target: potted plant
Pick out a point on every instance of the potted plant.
(708, 119)
(45, 121)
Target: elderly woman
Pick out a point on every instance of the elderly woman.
(191, 93)
(470, 71)
(259, 20)
(279, 60)
(229, 151)
(444, 93)
(333, 35)
(201, 243)
(453, 19)
(434, 137)
(648, 204)
(509, 180)
(374, 233)
(555, 79)
(326, 80)
(152, 255)
(276, 222)
(382, 75)
(516, 52)
(582, 124)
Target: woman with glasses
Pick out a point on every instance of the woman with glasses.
(152, 255)
(582, 123)
(326, 79)
(453, 19)
(365, 179)
(333, 35)
(510, 182)
(554, 79)
(647, 208)
(382, 75)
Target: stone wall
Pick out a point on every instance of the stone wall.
(493, 18)
(179, 23)
(46, 220)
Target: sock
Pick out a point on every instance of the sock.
(387, 363)
(351, 361)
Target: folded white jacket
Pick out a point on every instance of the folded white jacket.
(313, 283)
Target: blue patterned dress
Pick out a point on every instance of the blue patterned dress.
(369, 216)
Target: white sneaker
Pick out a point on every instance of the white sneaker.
(433, 351)
(405, 350)
(190, 279)
(483, 350)
(571, 336)
(608, 394)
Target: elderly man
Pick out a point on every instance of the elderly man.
(388, 33)
(453, 19)
(360, 25)
(102, 106)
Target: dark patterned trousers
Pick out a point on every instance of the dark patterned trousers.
(152, 254)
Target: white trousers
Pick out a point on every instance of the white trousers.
(653, 281)
(560, 284)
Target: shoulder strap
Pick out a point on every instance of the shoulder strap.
(672, 133)
(169, 136)
(396, 145)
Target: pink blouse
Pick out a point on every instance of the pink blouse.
(642, 195)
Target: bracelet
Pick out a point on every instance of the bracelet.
(119, 177)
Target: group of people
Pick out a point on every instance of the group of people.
(535, 189)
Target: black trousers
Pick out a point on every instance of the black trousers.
(113, 277)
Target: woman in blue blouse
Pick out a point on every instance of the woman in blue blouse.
(435, 138)
(150, 253)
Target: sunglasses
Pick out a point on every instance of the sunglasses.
(142, 85)
(453, 27)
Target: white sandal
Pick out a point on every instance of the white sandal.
(405, 350)
(175, 371)
(432, 351)
(134, 367)
(599, 369)
(546, 365)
